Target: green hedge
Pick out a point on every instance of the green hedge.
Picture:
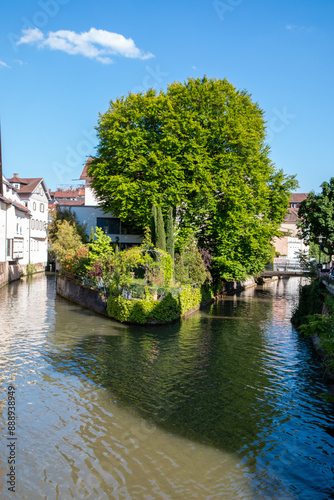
(309, 320)
(165, 310)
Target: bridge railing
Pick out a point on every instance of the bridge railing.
(286, 265)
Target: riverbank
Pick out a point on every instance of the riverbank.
(314, 317)
(143, 311)
(13, 272)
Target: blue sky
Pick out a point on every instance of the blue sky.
(62, 61)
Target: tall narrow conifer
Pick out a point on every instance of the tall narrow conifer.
(170, 233)
(154, 225)
(161, 234)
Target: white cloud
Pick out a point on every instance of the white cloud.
(31, 36)
(94, 44)
(3, 64)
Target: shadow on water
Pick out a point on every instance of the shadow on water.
(234, 376)
(118, 400)
(186, 377)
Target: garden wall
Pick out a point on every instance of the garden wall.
(82, 295)
(8, 273)
(91, 298)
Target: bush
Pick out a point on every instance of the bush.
(310, 302)
(143, 311)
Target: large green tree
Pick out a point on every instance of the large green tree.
(316, 214)
(199, 147)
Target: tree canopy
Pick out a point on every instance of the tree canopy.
(199, 147)
(316, 214)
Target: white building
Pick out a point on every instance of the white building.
(14, 224)
(93, 216)
(23, 226)
(35, 197)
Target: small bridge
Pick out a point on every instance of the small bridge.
(290, 272)
(285, 267)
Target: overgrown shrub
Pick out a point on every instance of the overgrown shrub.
(310, 302)
(142, 311)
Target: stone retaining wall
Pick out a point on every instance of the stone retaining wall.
(82, 295)
(92, 299)
(8, 273)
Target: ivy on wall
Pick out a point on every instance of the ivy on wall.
(143, 311)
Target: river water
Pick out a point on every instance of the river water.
(224, 405)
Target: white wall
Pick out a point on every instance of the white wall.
(2, 231)
(89, 214)
(37, 203)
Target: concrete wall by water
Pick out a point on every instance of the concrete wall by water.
(8, 273)
(92, 298)
(82, 295)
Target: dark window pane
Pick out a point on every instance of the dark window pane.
(108, 225)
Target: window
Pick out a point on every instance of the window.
(34, 205)
(109, 225)
(9, 248)
(26, 204)
(32, 223)
(41, 207)
(17, 228)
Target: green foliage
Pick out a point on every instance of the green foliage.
(316, 214)
(65, 242)
(143, 311)
(199, 147)
(329, 303)
(189, 265)
(100, 256)
(31, 269)
(91, 236)
(160, 234)
(65, 214)
(76, 264)
(170, 233)
(311, 322)
(154, 223)
(190, 298)
(310, 302)
(229, 270)
(156, 263)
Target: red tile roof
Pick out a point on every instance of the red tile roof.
(298, 197)
(84, 174)
(15, 204)
(29, 184)
(70, 202)
(292, 215)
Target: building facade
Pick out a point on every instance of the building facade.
(290, 245)
(23, 226)
(93, 216)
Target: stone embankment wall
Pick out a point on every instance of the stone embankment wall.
(82, 295)
(8, 273)
(93, 300)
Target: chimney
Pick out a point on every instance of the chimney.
(16, 176)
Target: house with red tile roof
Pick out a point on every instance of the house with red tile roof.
(26, 240)
(14, 232)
